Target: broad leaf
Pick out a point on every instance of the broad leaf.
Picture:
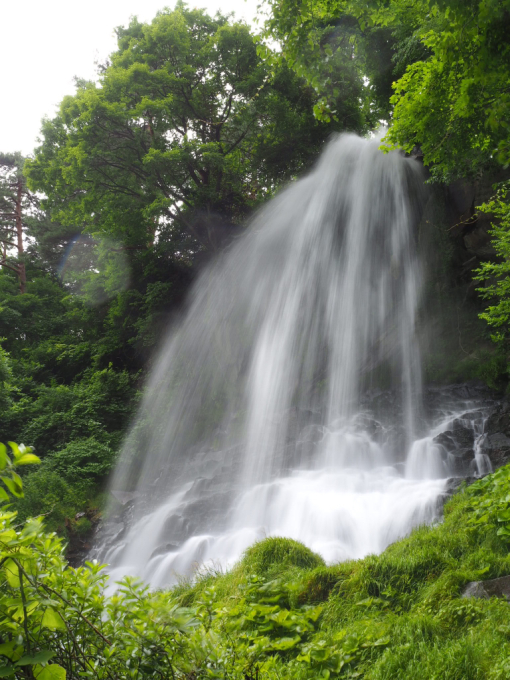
(28, 459)
(40, 657)
(52, 619)
(52, 672)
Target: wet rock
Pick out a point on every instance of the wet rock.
(208, 466)
(112, 531)
(499, 441)
(198, 516)
(484, 590)
(203, 486)
(306, 444)
(163, 549)
(299, 419)
(478, 242)
(176, 527)
(462, 461)
(472, 416)
(124, 497)
(445, 439)
(497, 447)
(458, 445)
(453, 484)
(464, 437)
(370, 425)
(499, 420)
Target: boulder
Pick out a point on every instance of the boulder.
(463, 461)
(497, 447)
(484, 590)
(445, 439)
(163, 549)
(464, 437)
(499, 420)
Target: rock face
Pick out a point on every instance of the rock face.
(484, 590)
(497, 441)
(481, 431)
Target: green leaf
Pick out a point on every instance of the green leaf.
(28, 459)
(17, 450)
(51, 672)
(504, 516)
(3, 456)
(14, 484)
(41, 657)
(286, 643)
(7, 671)
(7, 649)
(12, 573)
(52, 619)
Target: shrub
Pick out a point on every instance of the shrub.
(278, 553)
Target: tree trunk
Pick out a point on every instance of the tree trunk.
(19, 231)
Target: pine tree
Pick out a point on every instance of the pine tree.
(16, 202)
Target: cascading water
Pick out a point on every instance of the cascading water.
(255, 421)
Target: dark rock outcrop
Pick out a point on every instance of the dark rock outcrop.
(484, 590)
(497, 440)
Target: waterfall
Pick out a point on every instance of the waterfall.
(265, 412)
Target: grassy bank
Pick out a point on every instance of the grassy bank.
(397, 615)
(280, 613)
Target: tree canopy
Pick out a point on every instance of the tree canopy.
(186, 121)
(449, 60)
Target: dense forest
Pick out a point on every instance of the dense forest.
(139, 181)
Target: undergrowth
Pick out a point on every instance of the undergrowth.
(397, 615)
(280, 613)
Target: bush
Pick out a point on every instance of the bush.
(86, 459)
(280, 554)
(48, 493)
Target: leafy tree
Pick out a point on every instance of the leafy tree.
(350, 60)
(156, 166)
(451, 66)
(186, 123)
(496, 275)
(5, 379)
(15, 202)
(456, 103)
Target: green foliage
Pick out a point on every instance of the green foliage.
(66, 483)
(186, 97)
(496, 274)
(326, 44)
(5, 380)
(490, 502)
(455, 103)
(86, 459)
(278, 554)
(56, 498)
(21, 455)
(398, 615)
(449, 60)
(58, 396)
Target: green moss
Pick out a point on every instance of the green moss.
(278, 554)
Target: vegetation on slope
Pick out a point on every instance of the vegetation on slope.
(279, 613)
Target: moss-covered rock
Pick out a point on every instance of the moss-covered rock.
(277, 553)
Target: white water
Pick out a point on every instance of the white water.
(253, 423)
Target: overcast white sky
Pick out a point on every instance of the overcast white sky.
(45, 43)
